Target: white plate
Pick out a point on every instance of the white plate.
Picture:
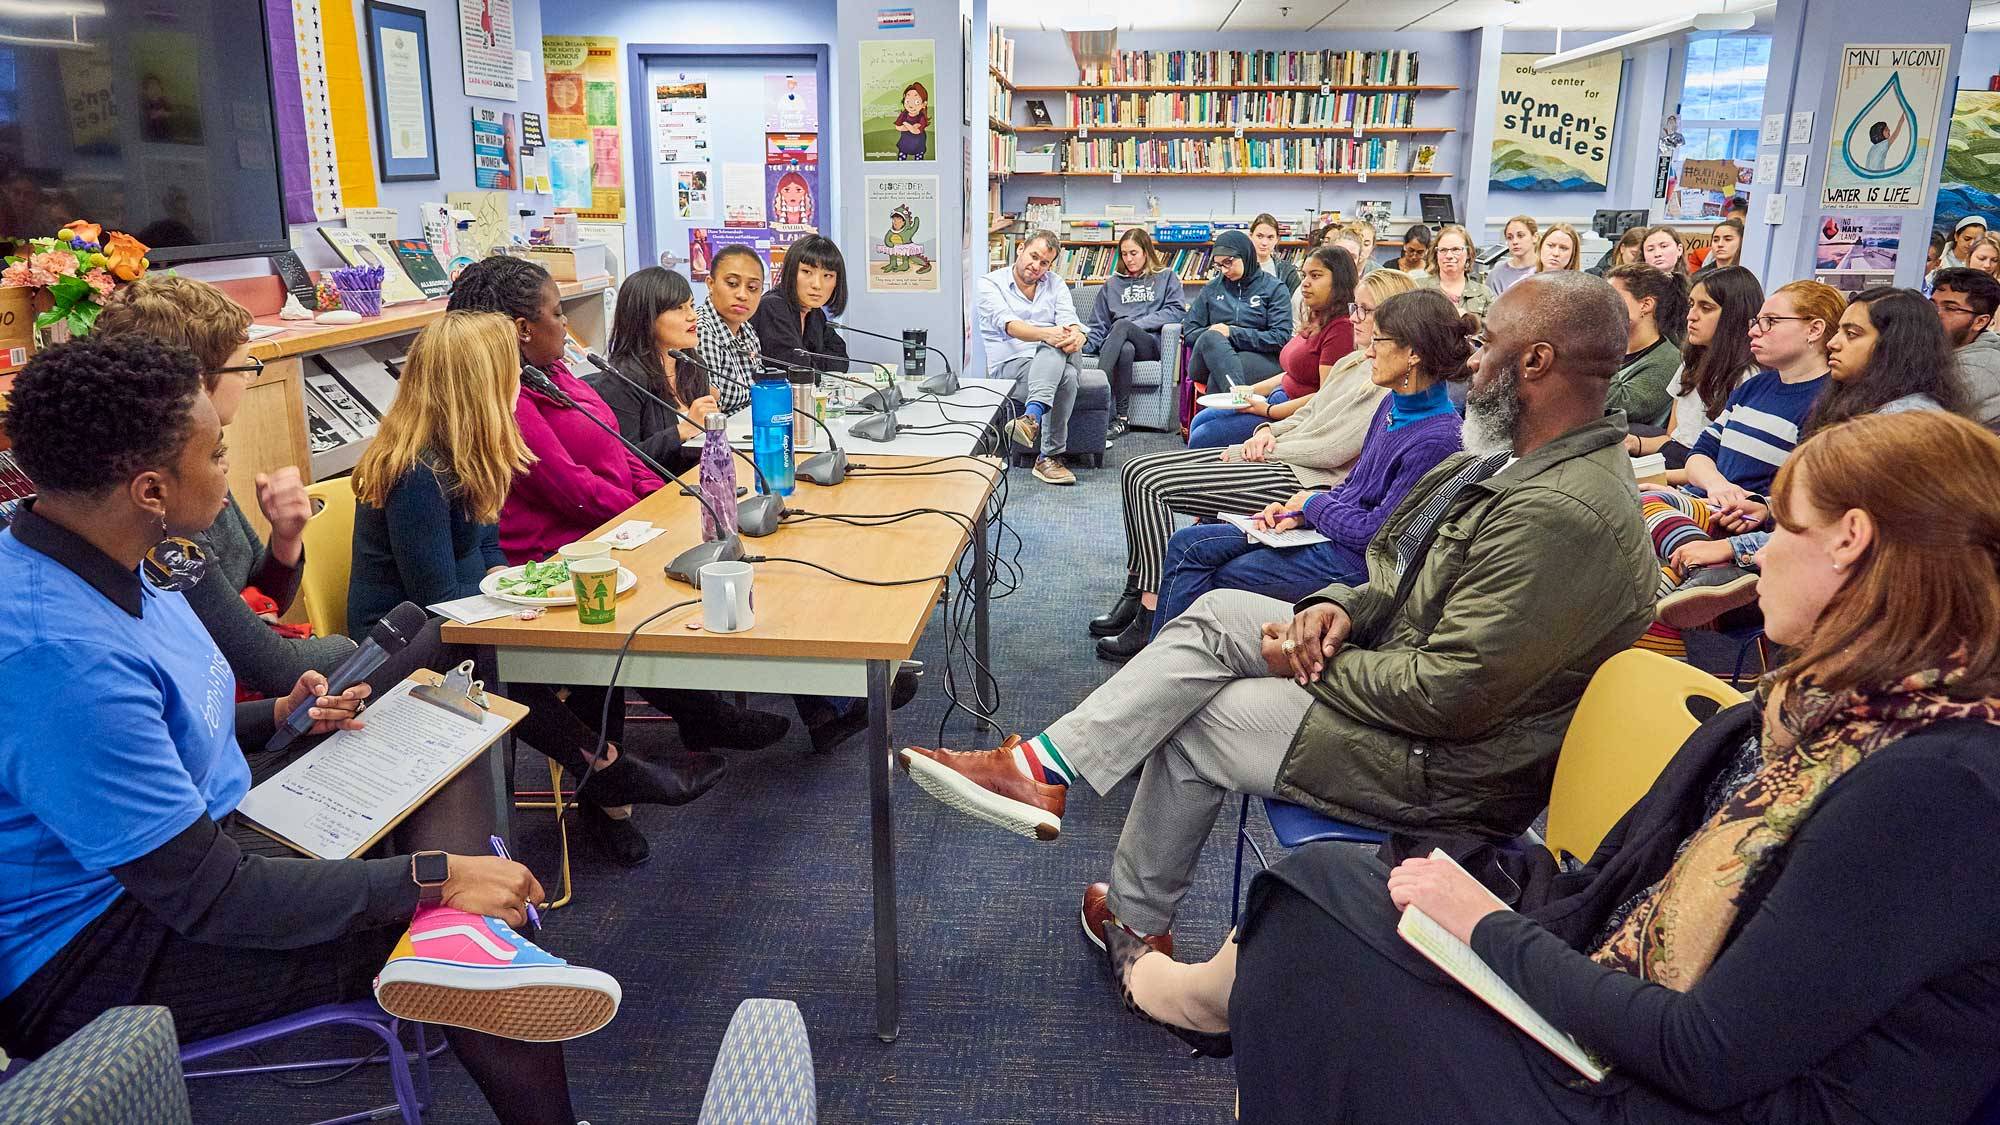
(490, 586)
(1223, 400)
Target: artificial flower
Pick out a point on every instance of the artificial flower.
(61, 263)
(15, 274)
(101, 281)
(125, 256)
(89, 232)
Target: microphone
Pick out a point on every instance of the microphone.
(687, 565)
(829, 468)
(390, 635)
(756, 516)
(877, 399)
(880, 426)
(945, 383)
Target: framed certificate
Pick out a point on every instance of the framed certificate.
(399, 63)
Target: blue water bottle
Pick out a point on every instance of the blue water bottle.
(771, 432)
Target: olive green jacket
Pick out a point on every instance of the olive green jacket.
(1444, 715)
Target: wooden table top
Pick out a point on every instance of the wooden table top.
(801, 612)
(303, 337)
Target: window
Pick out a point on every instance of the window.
(1722, 104)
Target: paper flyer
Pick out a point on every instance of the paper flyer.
(791, 103)
(680, 123)
(898, 89)
(704, 243)
(791, 185)
(902, 234)
(692, 195)
(492, 149)
(1857, 252)
(583, 103)
(486, 47)
(743, 195)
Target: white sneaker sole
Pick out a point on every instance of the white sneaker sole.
(1096, 938)
(542, 1004)
(958, 791)
(1068, 480)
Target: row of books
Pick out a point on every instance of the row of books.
(1000, 52)
(1303, 155)
(1301, 109)
(1087, 265)
(1107, 230)
(999, 102)
(1239, 68)
(1000, 149)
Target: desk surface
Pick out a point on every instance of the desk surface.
(959, 420)
(303, 337)
(801, 612)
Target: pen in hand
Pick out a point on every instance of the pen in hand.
(500, 849)
(1276, 518)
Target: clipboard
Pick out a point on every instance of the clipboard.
(306, 806)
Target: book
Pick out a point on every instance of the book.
(359, 248)
(324, 432)
(342, 401)
(293, 273)
(1460, 963)
(1296, 537)
(421, 264)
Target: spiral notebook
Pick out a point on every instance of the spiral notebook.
(1296, 537)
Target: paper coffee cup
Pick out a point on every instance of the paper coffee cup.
(583, 549)
(596, 584)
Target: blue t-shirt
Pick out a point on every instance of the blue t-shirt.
(1757, 429)
(119, 733)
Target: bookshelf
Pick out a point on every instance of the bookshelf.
(1001, 142)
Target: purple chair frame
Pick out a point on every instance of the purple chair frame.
(412, 1085)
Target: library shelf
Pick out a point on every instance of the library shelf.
(1316, 130)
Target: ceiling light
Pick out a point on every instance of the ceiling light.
(1711, 21)
(52, 9)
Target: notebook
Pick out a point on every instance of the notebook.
(1296, 537)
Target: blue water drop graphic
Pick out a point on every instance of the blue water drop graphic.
(1898, 123)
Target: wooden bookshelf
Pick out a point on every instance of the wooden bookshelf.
(1330, 130)
(1257, 175)
(1001, 126)
(1006, 83)
(1312, 87)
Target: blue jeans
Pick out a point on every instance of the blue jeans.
(1218, 427)
(1216, 556)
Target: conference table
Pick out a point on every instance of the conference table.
(814, 633)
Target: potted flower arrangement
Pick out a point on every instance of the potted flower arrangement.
(71, 274)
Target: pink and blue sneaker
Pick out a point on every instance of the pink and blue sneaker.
(469, 971)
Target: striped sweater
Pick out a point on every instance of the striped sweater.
(1758, 428)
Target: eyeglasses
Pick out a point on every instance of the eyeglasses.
(1767, 323)
(1955, 310)
(250, 370)
(1358, 311)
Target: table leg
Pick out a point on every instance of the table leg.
(886, 1018)
(500, 762)
(984, 685)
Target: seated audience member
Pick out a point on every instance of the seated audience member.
(1716, 953)
(1736, 207)
(1139, 298)
(1239, 321)
(791, 319)
(1716, 360)
(1028, 322)
(134, 881)
(728, 345)
(1888, 355)
(1420, 342)
(1663, 249)
(1522, 567)
(1520, 261)
(197, 316)
(1626, 251)
(1737, 456)
(1314, 447)
(1415, 257)
(1448, 269)
(1725, 248)
(1966, 301)
(1327, 334)
(1934, 258)
(426, 530)
(1653, 300)
(1364, 239)
(656, 315)
(1985, 256)
(580, 479)
(1264, 233)
(1558, 249)
(1964, 237)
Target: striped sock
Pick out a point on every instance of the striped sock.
(1664, 639)
(1041, 761)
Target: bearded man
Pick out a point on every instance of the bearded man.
(1432, 699)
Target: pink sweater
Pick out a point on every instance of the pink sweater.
(581, 478)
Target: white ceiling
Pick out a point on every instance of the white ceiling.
(1374, 15)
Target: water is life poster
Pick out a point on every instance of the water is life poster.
(1885, 117)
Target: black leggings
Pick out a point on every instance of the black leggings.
(1124, 345)
(1217, 363)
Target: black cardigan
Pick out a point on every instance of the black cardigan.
(776, 323)
(641, 420)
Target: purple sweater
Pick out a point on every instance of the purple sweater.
(1391, 462)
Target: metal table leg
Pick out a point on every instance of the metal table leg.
(500, 759)
(886, 1018)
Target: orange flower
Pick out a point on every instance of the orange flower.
(89, 232)
(125, 256)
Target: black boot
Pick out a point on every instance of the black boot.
(632, 780)
(1127, 644)
(619, 839)
(1113, 623)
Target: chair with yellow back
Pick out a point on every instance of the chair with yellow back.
(329, 543)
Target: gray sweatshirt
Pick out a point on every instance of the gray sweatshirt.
(1979, 372)
(1151, 302)
(263, 661)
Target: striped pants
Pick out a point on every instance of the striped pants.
(1673, 520)
(1189, 482)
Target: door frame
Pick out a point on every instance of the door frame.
(638, 56)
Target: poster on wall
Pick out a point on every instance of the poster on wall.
(680, 122)
(791, 103)
(693, 198)
(791, 185)
(1885, 112)
(492, 149)
(1857, 252)
(897, 80)
(486, 47)
(569, 174)
(1553, 129)
(1971, 184)
(704, 243)
(743, 195)
(902, 234)
(582, 72)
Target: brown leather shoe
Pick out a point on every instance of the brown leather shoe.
(987, 784)
(1096, 915)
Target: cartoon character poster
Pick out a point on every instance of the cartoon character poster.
(1885, 119)
(898, 99)
(902, 234)
(791, 185)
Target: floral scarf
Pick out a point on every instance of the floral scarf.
(1811, 737)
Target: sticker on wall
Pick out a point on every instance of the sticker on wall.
(897, 19)
(902, 234)
(1885, 113)
(1553, 128)
(897, 79)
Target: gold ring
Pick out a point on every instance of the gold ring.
(1289, 646)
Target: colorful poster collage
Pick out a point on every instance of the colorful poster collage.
(584, 125)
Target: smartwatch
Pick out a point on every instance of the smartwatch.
(429, 870)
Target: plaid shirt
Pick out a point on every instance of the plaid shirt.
(732, 358)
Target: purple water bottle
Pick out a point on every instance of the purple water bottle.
(718, 480)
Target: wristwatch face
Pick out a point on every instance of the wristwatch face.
(430, 869)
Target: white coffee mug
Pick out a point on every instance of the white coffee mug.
(725, 597)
